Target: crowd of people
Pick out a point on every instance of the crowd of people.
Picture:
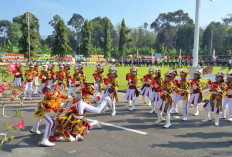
(70, 97)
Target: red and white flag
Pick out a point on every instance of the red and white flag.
(213, 55)
(180, 53)
(137, 54)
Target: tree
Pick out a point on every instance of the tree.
(219, 37)
(4, 26)
(34, 35)
(60, 46)
(123, 39)
(86, 39)
(185, 38)
(107, 40)
(14, 33)
(76, 22)
(166, 25)
(56, 18)
(228, 19)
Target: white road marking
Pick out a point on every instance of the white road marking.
(123, 128)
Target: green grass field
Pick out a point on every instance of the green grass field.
(122, 71)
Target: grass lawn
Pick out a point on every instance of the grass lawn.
(88, 70)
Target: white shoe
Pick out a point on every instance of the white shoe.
(149, 104)
(206, 120)
(113, 113)
(46, 142)
(174, 112)
(168, 125)
(229, 119)
(97, 124)
(151, 111)
(132, 108)
(157, 121)
(162, 119)
(37, 132)
(196, 113)
(30, 98)
(79, 138)
(35, 93)
(24, 98)
(71, 138)
(185, 118)
(223, 117)
(216, 120)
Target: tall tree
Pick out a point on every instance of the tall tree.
(219, 31)
(34, 34)
(4, 26)
(14, 33)
(60, 46)
(86, 39)
(107, 40)
(76, 22)
(56, 18)
(166, 25)
(123, 39)
(228, 19)
(185, 38)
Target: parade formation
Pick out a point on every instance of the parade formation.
(69, 98)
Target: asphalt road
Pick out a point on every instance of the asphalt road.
(189, 138)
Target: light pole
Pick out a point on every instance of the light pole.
(196, 39)
(29, 40)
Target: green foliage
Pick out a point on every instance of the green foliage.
(185, 37)
(86, 39)
(14, 33)
(107, 40)
(60, 46)
(123, 39)
(18, 114)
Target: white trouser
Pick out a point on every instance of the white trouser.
(42, 85)
(82, 106)
(208, 107)
(49, 125)
(130, 95)
(28, 86)
(36, 81)
(184, 104)
(17, 81)
(194, 99)
(227, 103)
(73, 90)
(60, 88)
(97, 89)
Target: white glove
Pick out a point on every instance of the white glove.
(109, 85)
(43, 77)
(194, 87)
(219, 90)
(17, 73)
(70, 98)
(229, 91)
(54, 76)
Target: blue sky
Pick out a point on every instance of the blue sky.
(135, 12)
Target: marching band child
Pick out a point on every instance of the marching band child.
(196, 94)
(146, 89)
(164, 105)
(183, 93)
(29, 74)
(155, 84)
(215, 103)
(133, 93)
(228, 99)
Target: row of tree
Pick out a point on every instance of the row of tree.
(169, 33)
